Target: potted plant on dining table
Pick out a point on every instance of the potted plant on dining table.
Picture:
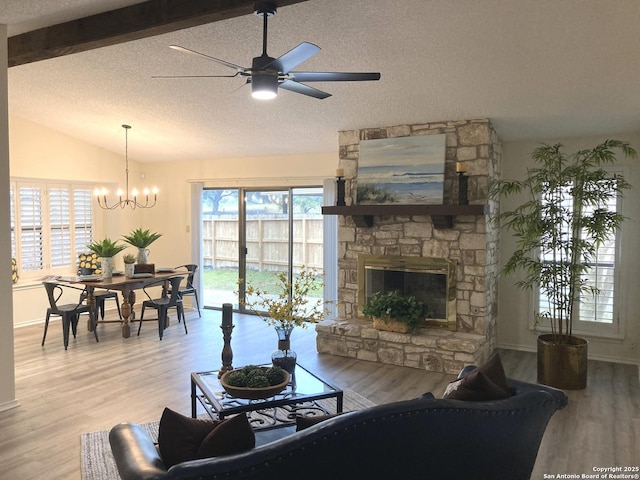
(129, 264)
(141, 239)
(106, 249)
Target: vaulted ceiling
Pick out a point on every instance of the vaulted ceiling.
(539, 70)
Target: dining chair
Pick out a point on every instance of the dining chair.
(189, 288)
(100, 296)
(69, 312)
(164, 303)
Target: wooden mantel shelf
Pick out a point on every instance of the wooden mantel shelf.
(443, 216)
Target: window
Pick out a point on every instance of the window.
(596, 313)
(51, 223)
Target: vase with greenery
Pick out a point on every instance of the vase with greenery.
(106, 249)
(393, 311)
(129, 261)
(560, 229)
(141, 239)
(289, 306)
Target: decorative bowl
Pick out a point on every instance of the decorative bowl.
(249, 393)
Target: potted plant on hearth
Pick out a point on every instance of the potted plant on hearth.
(106, 250)
(393, 312)
(141, 239)
(564, 223)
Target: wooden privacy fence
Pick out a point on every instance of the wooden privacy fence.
(267, 243)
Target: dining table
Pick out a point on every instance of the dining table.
(126, 285)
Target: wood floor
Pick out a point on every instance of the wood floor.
(92, 386)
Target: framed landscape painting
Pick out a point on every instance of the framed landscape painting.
(402, 170)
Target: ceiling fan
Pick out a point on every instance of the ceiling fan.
(266, 73)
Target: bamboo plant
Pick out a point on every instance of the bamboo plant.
(561, 225)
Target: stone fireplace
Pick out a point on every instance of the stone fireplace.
(457, 263)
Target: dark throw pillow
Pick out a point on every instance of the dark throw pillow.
(182, 438)
(229, 436)
(487, 382)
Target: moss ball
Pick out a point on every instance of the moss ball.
(257, 381)
(249, 368)
(237, 379)
(275, 375)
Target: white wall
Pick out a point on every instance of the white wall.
(7, 376)
(515, 307)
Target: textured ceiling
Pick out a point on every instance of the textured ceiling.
(543, 69)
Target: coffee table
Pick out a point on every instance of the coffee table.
(300, 397)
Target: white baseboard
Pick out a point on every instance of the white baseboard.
(9, 405)
(601, 358)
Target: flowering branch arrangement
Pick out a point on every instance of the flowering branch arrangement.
(290, 306)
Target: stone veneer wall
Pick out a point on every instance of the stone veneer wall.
(472, 242)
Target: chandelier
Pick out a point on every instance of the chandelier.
(133, 203)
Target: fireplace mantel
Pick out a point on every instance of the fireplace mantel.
(443, 216)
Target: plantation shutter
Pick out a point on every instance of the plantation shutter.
(12, 207)
(82, 219)
(60, 227)
(51, 223)
(30, 211)
(599, 308)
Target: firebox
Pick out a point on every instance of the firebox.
(431, 280)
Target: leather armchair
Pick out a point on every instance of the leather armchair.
(424, 438)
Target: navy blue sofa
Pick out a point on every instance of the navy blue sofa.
(425, 438)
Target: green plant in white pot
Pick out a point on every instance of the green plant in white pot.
(560, 229)
(129, 264)
(106, 249)
(141, 239)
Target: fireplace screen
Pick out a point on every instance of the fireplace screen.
(431, 280)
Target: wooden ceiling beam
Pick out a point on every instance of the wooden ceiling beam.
(147, 19)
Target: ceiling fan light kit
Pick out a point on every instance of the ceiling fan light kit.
(267, 74)
(133, 203)
(264, 86)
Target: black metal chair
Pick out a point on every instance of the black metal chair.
(189, 288)
(69, 312)
(99, 297)
(164, 303)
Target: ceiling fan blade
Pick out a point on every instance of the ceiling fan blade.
(195, 76)
(294, 57)
(304, 89)
(333, 76)
(217, 60)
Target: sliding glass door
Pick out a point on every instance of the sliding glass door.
(253, 234)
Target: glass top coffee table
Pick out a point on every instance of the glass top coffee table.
(302, 397)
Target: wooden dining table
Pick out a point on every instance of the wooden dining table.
(127, 287)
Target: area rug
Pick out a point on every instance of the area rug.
(97, 463)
